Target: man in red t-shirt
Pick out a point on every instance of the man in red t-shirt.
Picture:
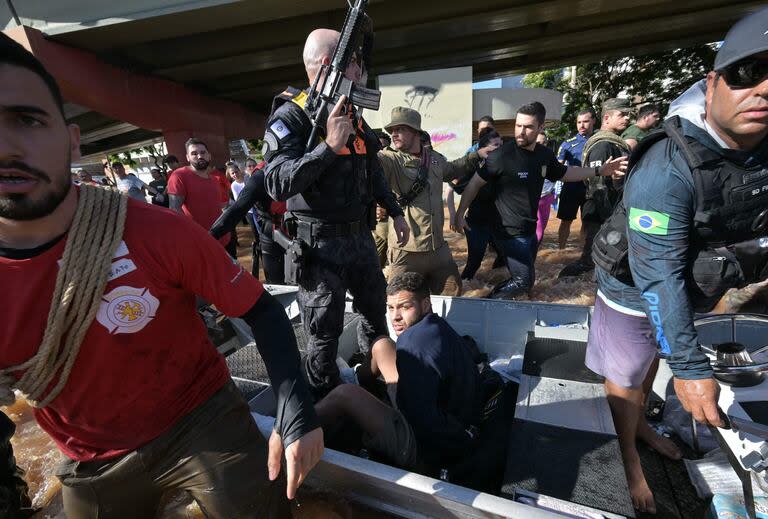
(200, 191)
(148, 405)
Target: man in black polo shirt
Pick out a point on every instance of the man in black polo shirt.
(518, 170)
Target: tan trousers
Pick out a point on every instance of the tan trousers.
(436, 266)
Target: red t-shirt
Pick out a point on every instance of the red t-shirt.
(203, 197)
(225, 186)
(146, 360)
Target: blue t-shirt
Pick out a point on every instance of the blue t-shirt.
(437, 388)
(570, 150)
(660, 200)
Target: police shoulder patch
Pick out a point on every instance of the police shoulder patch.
(280, 129)
(648, 222)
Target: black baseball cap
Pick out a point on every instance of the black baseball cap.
(749, 36)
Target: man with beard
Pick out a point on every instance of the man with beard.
(101, 333)
(199, 191)
(518, 170)
(692, 223)
(416, 174)
(330, 186)
(602, 192)
(573, 194)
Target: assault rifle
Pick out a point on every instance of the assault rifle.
(356, 37)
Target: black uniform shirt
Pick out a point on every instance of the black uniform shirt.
(518, 176)
(320, 184)
(602, 192)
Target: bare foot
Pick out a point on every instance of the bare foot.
(642, 497)
(660, 444)
(639, 491)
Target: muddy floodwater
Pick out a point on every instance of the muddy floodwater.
(37, 454)
(550, 261)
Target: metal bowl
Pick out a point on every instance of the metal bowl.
(734, 366)
(731, 337)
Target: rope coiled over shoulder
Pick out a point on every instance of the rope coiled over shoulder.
(92, 240)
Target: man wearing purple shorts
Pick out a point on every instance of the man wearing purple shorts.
(692, 224)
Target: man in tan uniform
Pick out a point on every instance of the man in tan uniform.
(416, 175)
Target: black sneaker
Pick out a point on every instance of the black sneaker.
(576, 268)
(509, 289)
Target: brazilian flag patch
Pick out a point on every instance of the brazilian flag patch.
(648, 222)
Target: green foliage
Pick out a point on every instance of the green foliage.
(155, 151)
(551, 79)
(126, 158)
(653, 78)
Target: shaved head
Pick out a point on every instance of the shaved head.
(319, 46)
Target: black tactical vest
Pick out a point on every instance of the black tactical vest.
(343, 191)
(729, 232)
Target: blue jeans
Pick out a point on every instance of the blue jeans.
(478, 238)
(520, 252)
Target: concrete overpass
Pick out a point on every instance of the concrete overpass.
(238, 54)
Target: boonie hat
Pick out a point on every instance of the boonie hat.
(616, 103)
(749, 36)
(402, 115)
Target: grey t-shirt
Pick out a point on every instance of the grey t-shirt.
(133, 187)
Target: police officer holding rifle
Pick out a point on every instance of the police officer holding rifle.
(321, 158)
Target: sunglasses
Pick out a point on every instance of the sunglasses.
(746, 73)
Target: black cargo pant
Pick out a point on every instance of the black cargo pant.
(334, 266)
(215, 452)
(272, 254)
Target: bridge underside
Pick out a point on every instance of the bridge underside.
(243, 52)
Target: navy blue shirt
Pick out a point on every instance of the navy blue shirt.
(437, 389)
(570, 154)
(570, 150)
(660, 200)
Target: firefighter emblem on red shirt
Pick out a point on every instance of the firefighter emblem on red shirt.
(127, 309)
